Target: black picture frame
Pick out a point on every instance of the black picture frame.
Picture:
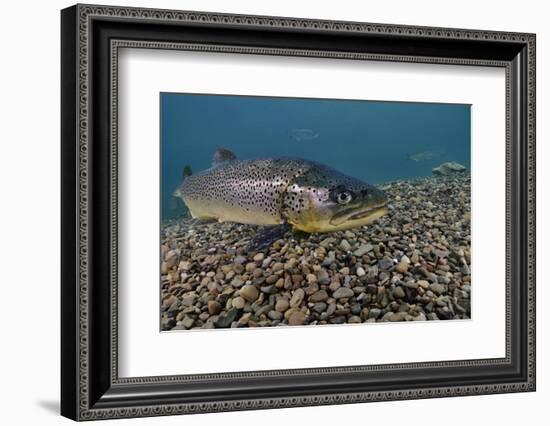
(90, 386)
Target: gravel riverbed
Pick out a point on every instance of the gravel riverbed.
(411, 265)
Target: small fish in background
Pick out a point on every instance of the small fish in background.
(280, 194)
(424, 156)
(303, 135)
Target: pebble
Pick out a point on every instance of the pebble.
(282, 305)
(237, 282)
(343, 293)
(275, 315)
(188, 299)
(374, 313)
(385, 264)
(398, 293)
(277, 266)
(320, 307)
(402, 267)
(249, 292)
(438, 288)
(311, 278)
(344, 271)
(412, 264)
(188, 322)
(319, 296)
(225, 320)
(238, 302)
(297, 318)
(363, 249)
(214, 307)
(327, 242)
(297, 298)
(323, 277)
(344, 245)
(424, 284)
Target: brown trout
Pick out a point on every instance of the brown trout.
(309, 196)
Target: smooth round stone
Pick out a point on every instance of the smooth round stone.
(402, 267)
(238, 302)
(424, 284)
(319, 296)
(320, 307)
(297, 318)
(398, 293)
(297, 298)
(411, 285)
(323, 277)
(374, 313)
(344, 271)
(343, 293)
(249, 292)
(214, 307)
(360, 272)
(259, 257)
(188, 322)
(282, 305)
(237, 282)
(334, 285)
(272, 279)
(438, 288)
(275, 315)
(277, 266)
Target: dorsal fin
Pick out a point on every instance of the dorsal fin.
(221, 156)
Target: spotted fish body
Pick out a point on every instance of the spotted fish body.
(275, 191)
(244, 191)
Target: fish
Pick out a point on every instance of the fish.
(424, 156)
(291, 193)
(303, 134)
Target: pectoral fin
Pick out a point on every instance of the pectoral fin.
(268, 235)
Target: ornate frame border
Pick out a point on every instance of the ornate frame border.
(85, 14)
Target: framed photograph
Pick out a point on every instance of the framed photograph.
(263, 212)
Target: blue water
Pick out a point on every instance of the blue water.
(371, 140)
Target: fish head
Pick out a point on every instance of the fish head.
(325, 200)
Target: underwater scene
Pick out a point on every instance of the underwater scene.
(291, 211)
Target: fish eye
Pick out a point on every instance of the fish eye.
(344, 197)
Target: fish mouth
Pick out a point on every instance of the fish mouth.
(370, 212)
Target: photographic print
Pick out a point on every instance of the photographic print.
(304, 212)
(252, 181)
